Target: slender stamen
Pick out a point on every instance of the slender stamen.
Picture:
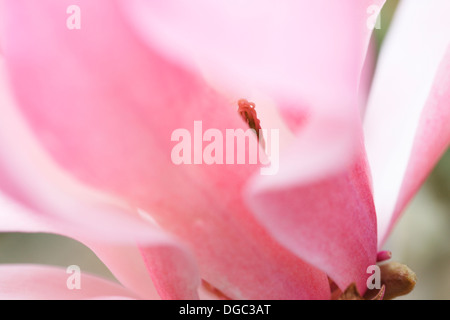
(248, 113)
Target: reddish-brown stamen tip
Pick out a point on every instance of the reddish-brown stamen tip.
(248, 114)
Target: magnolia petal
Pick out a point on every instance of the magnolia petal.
(245, 39)
(16, 218)
(174, 277)
(171, 285)
(119, 259)
(126, 264)
(326, 219)
(52, 202)
(123, 102)
(431, 139)
(369, 19)
(294, 51)
(34, 282)
(124, 261)
(189, 29)
(365, 80)
(368, 16)
(405, 124)
(312, 199)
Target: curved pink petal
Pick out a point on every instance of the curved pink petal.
(406, 121)
(366, 78)
(105, 107)
(368, 15)
(34, 282)
(16, 218)
(172, 284)
(294, 50)
(298, 80)
(126, 263)
(432, 137)
(55, 203)
(255, 34)
(324, 214)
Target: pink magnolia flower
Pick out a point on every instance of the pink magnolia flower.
(87, 116)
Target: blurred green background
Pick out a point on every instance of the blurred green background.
(420, 240)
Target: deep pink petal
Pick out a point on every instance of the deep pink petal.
(383, 256)
(324, 214)
(33, 282)
(172, 284)
(105, 107)
(320, 204)
(406, 124)
(253, 62)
